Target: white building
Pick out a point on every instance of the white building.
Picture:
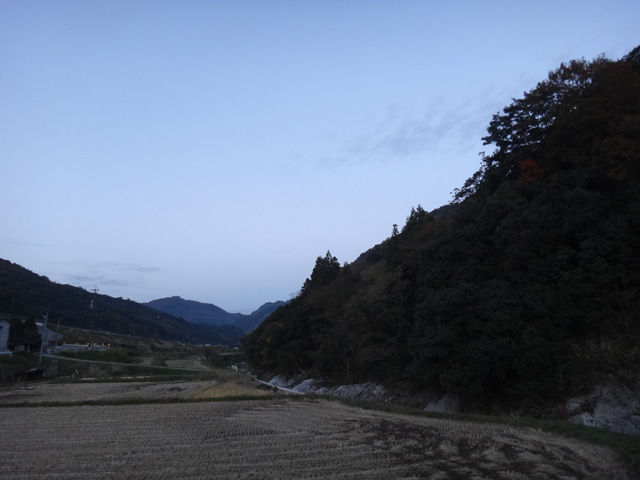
(48, 336)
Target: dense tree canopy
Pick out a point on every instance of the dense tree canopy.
(324, 272)
(524, 288)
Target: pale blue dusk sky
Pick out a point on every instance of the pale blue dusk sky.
(214, 149)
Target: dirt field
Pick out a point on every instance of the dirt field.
(85, 392)
(274, 438)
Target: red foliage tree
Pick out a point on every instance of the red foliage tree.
(530, 170)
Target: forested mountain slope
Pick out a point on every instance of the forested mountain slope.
(524, 289)
(24, 293)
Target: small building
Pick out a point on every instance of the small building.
(48, 336)
(21, 344)
(22, 332)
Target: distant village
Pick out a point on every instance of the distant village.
(48, 341)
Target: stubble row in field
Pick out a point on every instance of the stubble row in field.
(279, 438)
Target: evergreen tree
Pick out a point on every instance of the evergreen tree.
(325, 270)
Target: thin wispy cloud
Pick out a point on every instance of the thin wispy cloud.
(131, 267)
(110, 274)
(402, 134)
(23, 243)
(89, 282)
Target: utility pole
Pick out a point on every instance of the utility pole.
(44, 334)
(93, 319)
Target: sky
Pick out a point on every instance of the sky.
(214, 149)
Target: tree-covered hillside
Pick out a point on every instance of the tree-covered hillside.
(524, 289)
(26, 294)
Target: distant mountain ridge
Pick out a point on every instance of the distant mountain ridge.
(27, 294)
(210, 314)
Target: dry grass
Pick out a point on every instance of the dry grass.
(228, 389)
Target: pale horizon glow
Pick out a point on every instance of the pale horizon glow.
(213, 150)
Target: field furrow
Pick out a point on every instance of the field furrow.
(274, 439)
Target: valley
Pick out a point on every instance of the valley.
(174, 413)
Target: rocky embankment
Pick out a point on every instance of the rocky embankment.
(362, 391)
(613, 406)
